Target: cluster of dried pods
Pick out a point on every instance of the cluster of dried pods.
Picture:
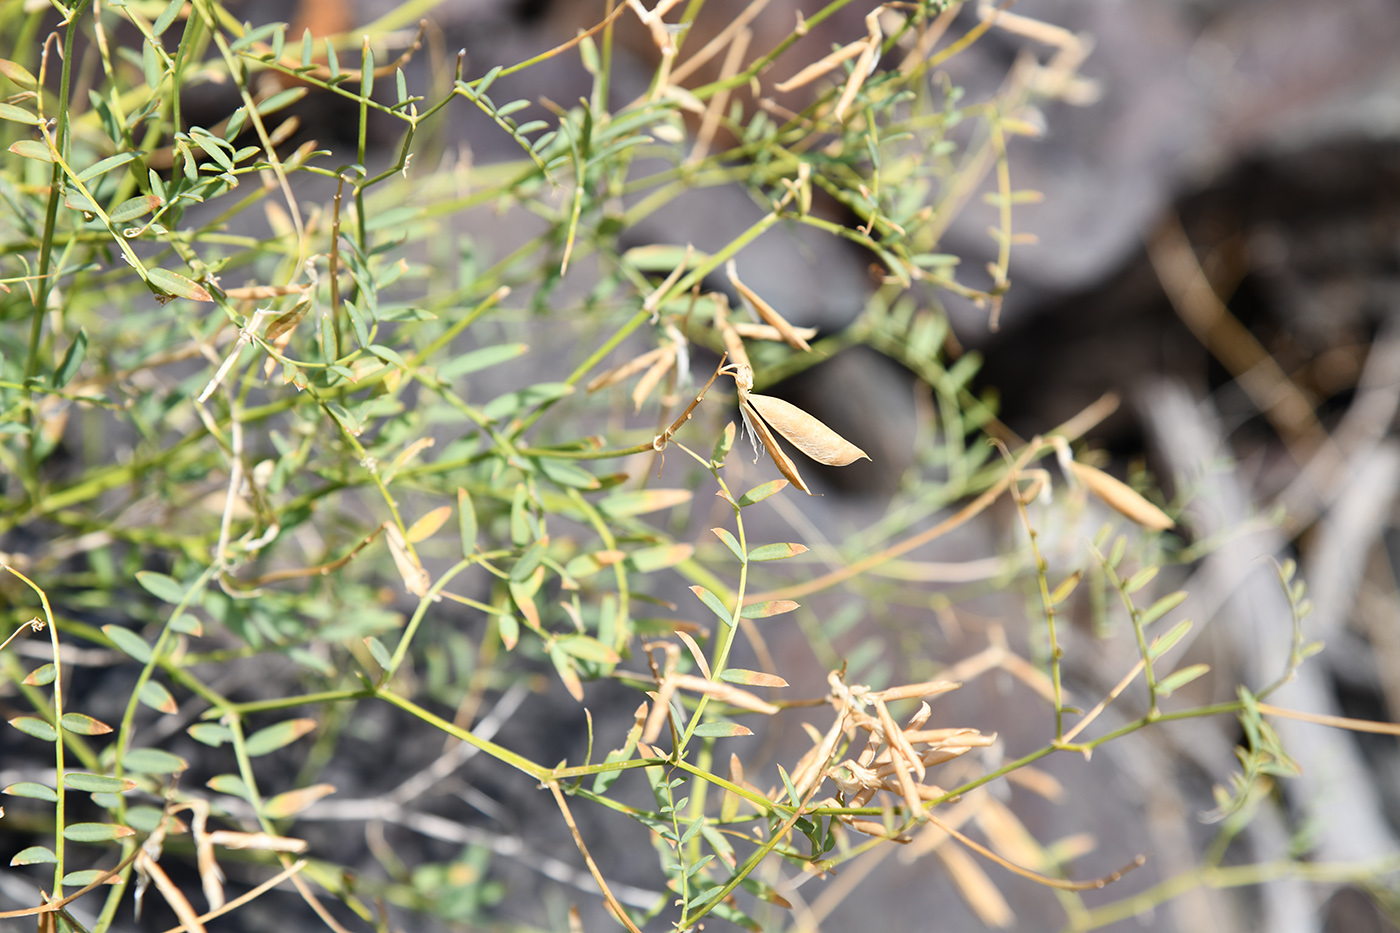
(894, 759)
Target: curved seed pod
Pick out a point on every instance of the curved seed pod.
(627, 369)
(769, 332)
(1119, 496)
(765, 310)
(753, 421)
(806, 433)
(652, 377)
(733, 345)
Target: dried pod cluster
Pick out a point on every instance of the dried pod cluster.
(895, 759)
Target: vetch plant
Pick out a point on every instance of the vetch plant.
(300, 473)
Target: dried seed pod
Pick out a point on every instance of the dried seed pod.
(1121, 497)
(629, 368)
(769, 332)
(878, 830)
(753, 423)
(765, 310)
(820, 67)
(805, 432)
(976, 888)
(725, 693)
(652, 377)
(733, 344)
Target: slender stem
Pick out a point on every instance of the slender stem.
(45, 283)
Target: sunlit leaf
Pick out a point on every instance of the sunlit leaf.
(737, 675)
(96, 832)
(18, 74)
(135, 207)
(210, 733)
(642, 501)
(129, 642)
(777, 551)
(32, 149)
(294, 801)
(153, 761)
(279, 735)
(34, 855)
(18, 114)
(86, 876)
(729, 542)
(97, 783)
(35, 727)
(761, 492)
(427, 526)
(84, 725)
(72, 359)
(588, 649)
(719, 729)
(466, 522)
(1163, 606)
(713, 601)
(768, 609)
(230, 784)
(1178, 679)
(659, 558)
(41, 676)
(175, 284)
(154, 695)
(381, 654)
(160, 586)
(32, 790)
(509, 629)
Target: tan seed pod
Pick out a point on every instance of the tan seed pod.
(871, 828)
(733, 344)
(820, 67)
(652, 377)
(725, 693)
(766, 311)
(1121, 497)
(769, 332)
(900, 746)
(753, 422)
(629, 368)
(806, 433)
(1007, 835)
(976, 888)
(415, 578)
(925, 688)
